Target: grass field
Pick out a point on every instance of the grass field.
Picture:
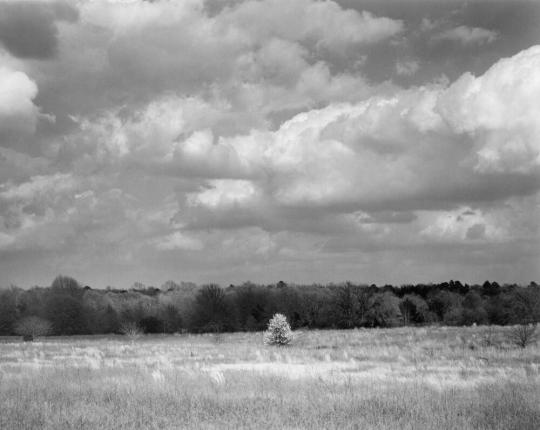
(405, 378)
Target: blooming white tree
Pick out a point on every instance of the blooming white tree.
(278, 331)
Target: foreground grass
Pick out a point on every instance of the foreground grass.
(404, 378)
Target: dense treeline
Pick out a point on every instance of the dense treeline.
(70, 308)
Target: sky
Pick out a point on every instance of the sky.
(304, 141)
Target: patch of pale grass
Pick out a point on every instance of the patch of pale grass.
(376, 379)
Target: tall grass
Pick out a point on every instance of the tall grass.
(425, 378)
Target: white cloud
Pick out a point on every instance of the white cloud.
(500, 110)
(224, 193)
(18, 113)
(258, 131)
(324, 23)
(178, 241)
(417, 150)
(407, 68)
(468, 35)
(38, 187)
(380, 152)
(462, 224)
(273, 41)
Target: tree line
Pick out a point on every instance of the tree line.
(67, 308)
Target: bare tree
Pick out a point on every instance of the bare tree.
(131, 329)
(32, 327)
(523, 335)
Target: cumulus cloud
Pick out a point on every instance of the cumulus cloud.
(29, 210)
(383, 151)
(224, 193)
(500, 110)
(422, 148)
(325, 24)
(36, 199)
(462, 224)
(250, 133)
(380, 158)
(18, 113)
(261, 57)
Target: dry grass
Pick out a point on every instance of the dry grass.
(423, 378)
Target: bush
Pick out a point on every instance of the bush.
(278, 331)
(32, 327)
(131, 329)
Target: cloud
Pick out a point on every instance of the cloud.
(17, 166)
(18, 113)
(5, 240)
(462, 224)
(59, 212)
(427, 24)
(37, 186)
(324, 23)
(178, 241)
(244, 53)
(224, 193)
(31, 203)
(30, 211)
(500, 110)
(425, 148)
(268, 134)
(468, 35)
(407, 68)
(420, 149)
(28, 29)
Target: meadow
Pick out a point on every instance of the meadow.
(401, 378)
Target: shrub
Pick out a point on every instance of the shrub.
(32, 327)
(131, 329)
(278, 331)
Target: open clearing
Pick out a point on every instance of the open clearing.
(407, 378)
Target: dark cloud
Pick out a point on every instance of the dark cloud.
(477, 231)
(515, 22)
(28, 29)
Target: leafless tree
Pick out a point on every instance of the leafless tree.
(523, 335)
(32, 327)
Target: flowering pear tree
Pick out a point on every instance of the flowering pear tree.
(278, 331)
